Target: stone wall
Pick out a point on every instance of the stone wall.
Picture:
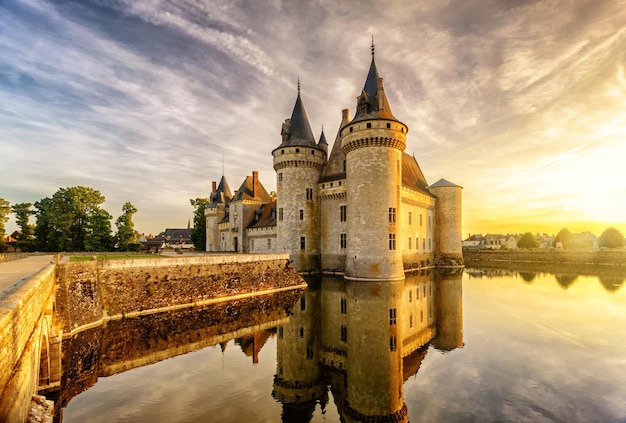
(616, 258)
(21, 328)
(92, 292)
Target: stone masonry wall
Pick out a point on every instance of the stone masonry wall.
(91, 292)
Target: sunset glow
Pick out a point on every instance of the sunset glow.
(521, 103)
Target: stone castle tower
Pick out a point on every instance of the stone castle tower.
(366, 211)
(298, 161)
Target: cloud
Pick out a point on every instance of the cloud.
(142, 99)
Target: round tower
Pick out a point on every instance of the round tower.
(298, 163)
(448, 236)
(373, 143)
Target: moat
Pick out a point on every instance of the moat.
(484, 345)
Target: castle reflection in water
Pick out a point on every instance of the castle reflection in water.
(362, 340)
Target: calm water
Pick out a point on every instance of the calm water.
(484, 346)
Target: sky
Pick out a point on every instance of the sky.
(520, 102)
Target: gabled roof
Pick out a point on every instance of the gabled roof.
(264, 216)
(412, 176)
(222, 194)
(249, 192)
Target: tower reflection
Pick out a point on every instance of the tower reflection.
(362, 340)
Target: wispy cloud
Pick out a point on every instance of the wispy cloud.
(142, 99)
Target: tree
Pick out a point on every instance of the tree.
(198, 232)
(99, 228)
(67, 220)
(611, 238)
(528, 240)
(22, 213)
(126, 235)
(565, 237)
(5, 209)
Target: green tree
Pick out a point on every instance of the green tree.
(198, 232)
(565, 237)
(25, 240)
(126, 235)
(528, 240)
(66, 221)
(99, 228)
(5, 209)
(611, 238)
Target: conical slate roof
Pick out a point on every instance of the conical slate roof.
(444, 183)
(297, 130)
(334, 169)
(369, 105)
(222, 194)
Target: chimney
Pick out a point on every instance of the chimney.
(214, 183)
(345, 115)
(255, 182)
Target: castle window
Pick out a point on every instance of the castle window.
(417, 294)
(392, 241)
(393, 344)
(410, 295)
(309, 353)
(410, 218)
(369, 124)
(301, 214)
(344, 306)
(309, 193)
(282, 151)
(301, 332)
(280, 213)
(388, 125)
(421, 219)
(339, 183)
(344, 334)
(411, 321)
(302, 243)
(410, 246)
(344, 242)
(429, 222)
(392, 317)
(297, 150)
(313, 152)
(331, 184)
(269, 243)
(342, 214)
(280, 177)
(392, 215)
(344, 165)
(303, 303)
(350, 129)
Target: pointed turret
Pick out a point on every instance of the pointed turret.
(221, 194)
(296, 131)
(322, 144)
(373, 103)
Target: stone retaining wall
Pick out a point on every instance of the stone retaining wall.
(587, 257)
(90, 292)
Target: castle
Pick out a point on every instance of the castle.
(365, 210)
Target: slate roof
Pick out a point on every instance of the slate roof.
(333, 168)
(174, 235)
(297, 130)
(246, 192)
(412, 176)
(264, 216)
(369, 95)
(444, 183)
(221, 195)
